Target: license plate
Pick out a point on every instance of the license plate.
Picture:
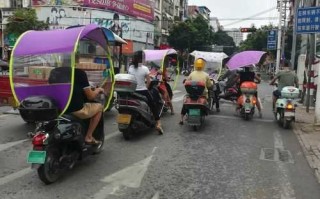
(194, 112)
(124, 119)
(37, 157)
(289, 114)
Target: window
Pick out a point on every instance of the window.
(16, 3)
(157, 22)
(157, 4)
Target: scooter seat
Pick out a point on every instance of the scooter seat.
(72, 118)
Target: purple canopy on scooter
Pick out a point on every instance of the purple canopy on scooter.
(37, 53)
(57, 41)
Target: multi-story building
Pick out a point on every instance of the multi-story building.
(205, 12)
(6, 10)
(236, 35)
(166, 13)
(193, 11)
(215, 24)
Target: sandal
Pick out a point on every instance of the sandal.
(93, 142)
(160, 130)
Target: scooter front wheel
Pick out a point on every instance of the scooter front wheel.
(50, 171)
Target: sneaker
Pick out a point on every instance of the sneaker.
(181, 122)
(218, 110)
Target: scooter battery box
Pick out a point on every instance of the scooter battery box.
(248, 87)
(125, 83)
(38, 108)
(194, 88)
(290, 92)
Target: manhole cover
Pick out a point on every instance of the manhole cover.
(276, 154)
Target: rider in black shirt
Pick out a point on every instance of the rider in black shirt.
(82, 93)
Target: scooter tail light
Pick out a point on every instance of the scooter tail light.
(254, 101)
(39, 139)
(290, 106)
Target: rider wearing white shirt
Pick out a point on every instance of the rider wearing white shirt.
(141, 73)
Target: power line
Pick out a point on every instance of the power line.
(248, 18)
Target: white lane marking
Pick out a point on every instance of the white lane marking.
(156, 196)
(176, 91)
(111, 135)
(14, 176)
(261, 104)
(130, 176)
(177, 99)
(11, 144)
(287, 192)
(237, 118)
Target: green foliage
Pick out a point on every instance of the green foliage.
(221, 38)
(24, 19)
(197, 34)
(258, 41)
(193, 34)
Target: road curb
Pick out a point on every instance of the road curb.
(312, 159)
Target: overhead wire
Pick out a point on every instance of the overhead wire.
(248, 18)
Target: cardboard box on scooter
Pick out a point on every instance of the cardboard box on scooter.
(39, 72)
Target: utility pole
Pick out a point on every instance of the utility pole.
(284, 25)
(279, 36)
(294, 34)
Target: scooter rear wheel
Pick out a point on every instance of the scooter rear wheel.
(195, 127)
(286, 124)
(50, 172)
(127, 133)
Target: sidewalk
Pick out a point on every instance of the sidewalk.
(309, 137)
(8, 110)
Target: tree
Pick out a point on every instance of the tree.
(258, 41)
(24, 19)
(193, 34)
(197, 34)
(221, 38)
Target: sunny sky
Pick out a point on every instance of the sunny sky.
(226, 9)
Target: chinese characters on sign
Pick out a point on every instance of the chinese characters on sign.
(308, 20)
(272, 40)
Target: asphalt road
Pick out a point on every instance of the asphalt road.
(228, 158)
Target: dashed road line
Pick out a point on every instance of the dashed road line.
(13, 176)
(11, 144)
